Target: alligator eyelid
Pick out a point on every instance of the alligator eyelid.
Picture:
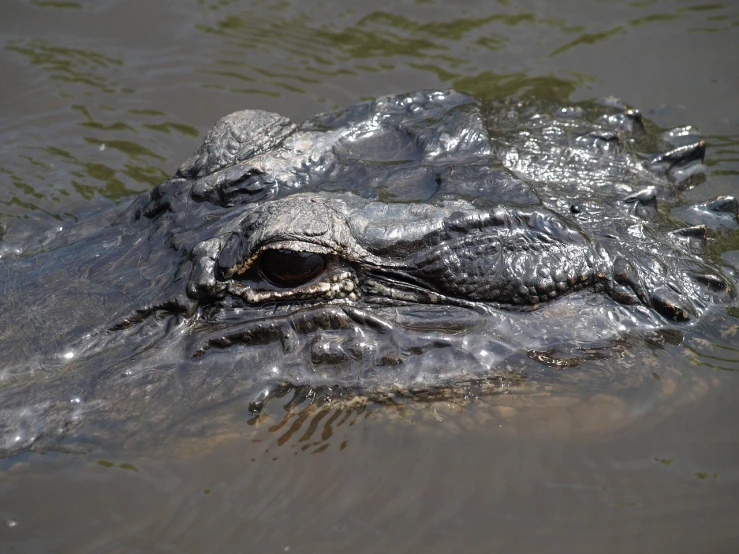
(397, 276)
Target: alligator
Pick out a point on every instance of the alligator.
(421, 242)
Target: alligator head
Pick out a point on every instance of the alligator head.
(409, 243)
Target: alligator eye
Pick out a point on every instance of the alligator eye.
(290, 268)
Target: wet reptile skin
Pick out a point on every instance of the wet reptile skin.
(417, 242)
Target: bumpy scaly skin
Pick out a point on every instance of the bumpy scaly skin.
(503, 257)
(448, 239)
(519, 249)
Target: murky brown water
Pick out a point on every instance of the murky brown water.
(100, 99)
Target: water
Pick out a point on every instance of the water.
(100, 100)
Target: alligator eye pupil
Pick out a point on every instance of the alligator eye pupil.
(289, 267)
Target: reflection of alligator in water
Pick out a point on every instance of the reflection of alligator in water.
(413, 243)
